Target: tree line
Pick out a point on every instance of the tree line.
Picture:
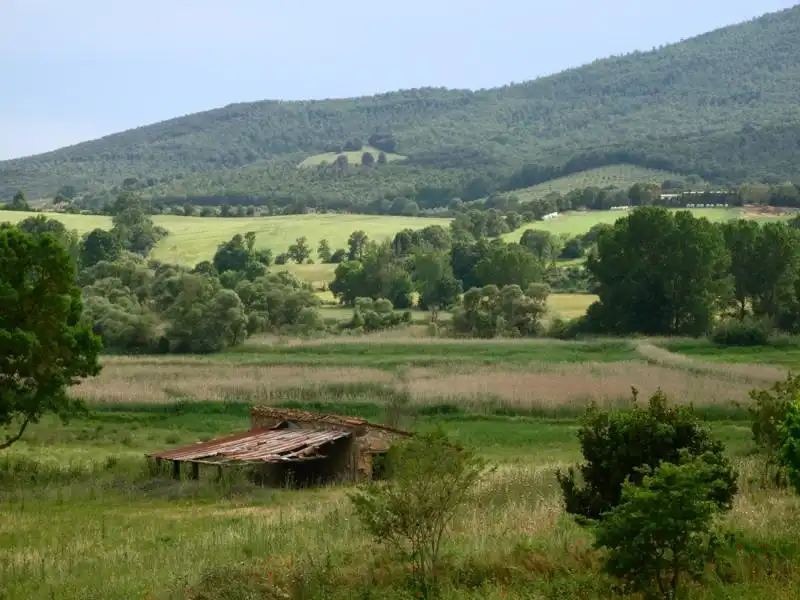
(655, 272)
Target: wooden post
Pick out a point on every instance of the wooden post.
(176, 469)
(195, 471)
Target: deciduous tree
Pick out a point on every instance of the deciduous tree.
(44, 347)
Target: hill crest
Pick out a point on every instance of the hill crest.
(721, 106)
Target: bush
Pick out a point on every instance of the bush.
(769, 413)
(616, 445)
(748, 332)
(662, 529)
(376, 315)
(429, 481)
(790, 451)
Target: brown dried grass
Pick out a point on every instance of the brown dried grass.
(538, 385)
(148, 381)
(556, 385)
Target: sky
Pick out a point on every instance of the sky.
(77, 70)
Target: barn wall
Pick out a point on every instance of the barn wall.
(338, 464)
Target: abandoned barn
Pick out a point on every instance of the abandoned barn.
(297, 447)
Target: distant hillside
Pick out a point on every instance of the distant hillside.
(722, 106)
(614, 176)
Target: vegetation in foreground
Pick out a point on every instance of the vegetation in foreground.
(124, 531)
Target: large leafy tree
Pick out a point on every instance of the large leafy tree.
(133, 226)
(433, 277)
(204, 316)
(508, 264)
(775, 269)
(543, 244)
(99, 245)
(742, 240)
(44, 348)
(660, 273)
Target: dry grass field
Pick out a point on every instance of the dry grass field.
(529, 377)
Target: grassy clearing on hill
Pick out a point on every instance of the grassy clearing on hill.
(614, 176)
(353, 158)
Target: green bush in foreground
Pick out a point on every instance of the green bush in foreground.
(769, 413)
(790, 451)
(429, 480)
(662, 530)
(616, 445)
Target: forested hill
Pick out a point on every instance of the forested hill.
(723, 106)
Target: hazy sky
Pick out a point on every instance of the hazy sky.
(79, 69)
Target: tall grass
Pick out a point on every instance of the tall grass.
(533, 388)
(113, 531)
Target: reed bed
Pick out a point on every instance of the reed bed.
(530, 386)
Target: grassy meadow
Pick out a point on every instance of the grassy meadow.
(194, 239)
(577, 222)
(83, 515)
(353, 158)
(613, 176)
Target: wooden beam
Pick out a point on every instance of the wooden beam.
(176, 469)
(195, 471)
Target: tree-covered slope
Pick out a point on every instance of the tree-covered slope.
(722, 106)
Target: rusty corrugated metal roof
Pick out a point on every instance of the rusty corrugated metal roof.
(258, 445)
(308, 416)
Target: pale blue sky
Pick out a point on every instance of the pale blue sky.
(79, 69)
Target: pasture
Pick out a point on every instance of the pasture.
(353, 158)
(620, 177)
(83, 516)
(194, 239)
(578, 222)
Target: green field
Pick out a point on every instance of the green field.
(194, 239)
(82, 515)
(353, 158)
(615, 176)
(577, 222)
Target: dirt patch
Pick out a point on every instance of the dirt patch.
(758, 211)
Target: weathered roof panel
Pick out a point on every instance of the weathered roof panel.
(258, 445)
(293, 414)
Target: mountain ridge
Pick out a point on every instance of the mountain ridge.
(735, 85)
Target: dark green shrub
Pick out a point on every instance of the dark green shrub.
(769, 412)
(616, 445)
(790, 451)
(748, 332)
(662, 529)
